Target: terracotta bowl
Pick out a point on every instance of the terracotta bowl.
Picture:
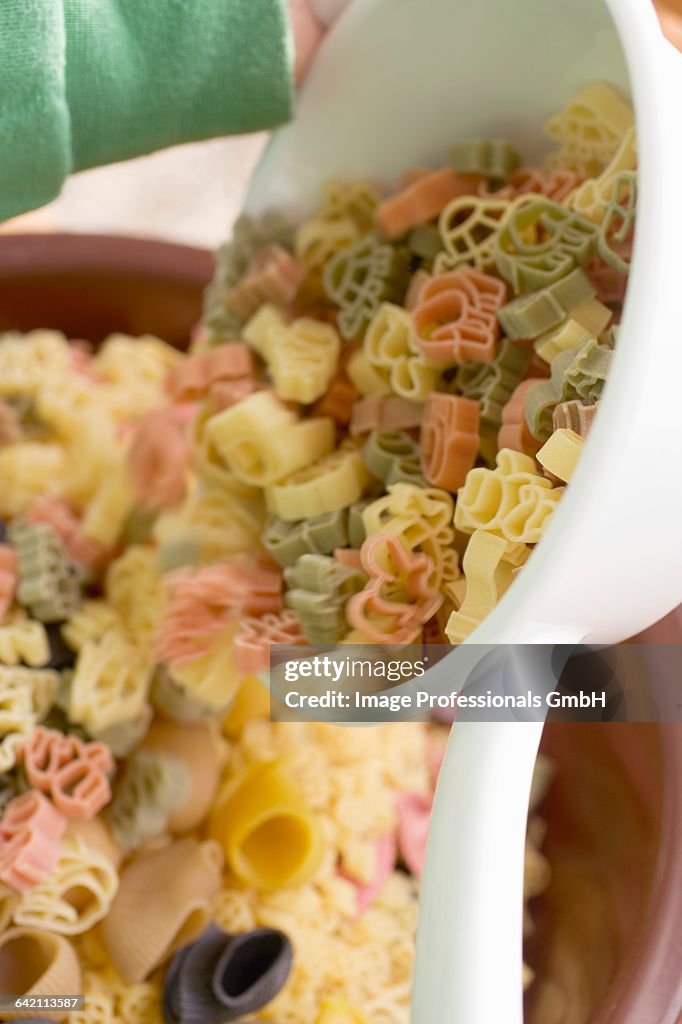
(608, 945)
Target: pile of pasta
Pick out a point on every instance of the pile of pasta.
(369, 433)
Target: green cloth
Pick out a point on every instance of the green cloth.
(88, 82)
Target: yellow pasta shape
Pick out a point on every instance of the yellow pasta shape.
(586, 321)
(28, 360)
(122, 358)
(110, 683)
(71, 404)
(139, 1004)
(211, 680)
(512, 500)
(559, 455)
(365, 377)
(488, 573)
(98, 1009)
(302, 359)
(589, 129)
(80, 870)
(391, 350)
(258, 331)
(317, 240)
(213, 522)
(422, 518)
(234, 910)
(134, 590)
(262, 441)
(209, 463)
(23, 640)
(270, 838)
(17, 717)
(89, 460)
(135, 370)
(25, 468)
(109, 508)
(90, 622)
(336, 481)
(25, 688)
(591, 198)
(355, 199)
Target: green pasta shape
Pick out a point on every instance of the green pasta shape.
(318, 589)
(491, 384)
(492, 158)
(249, 235)
(576, 374)
(49, 582)
(153, 785)
(362, 276)
(532, 315)
(393, 456)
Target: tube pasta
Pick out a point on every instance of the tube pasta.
(34, 962)
(163, 902)
(270, 838)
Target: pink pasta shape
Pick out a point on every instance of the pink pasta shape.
(398, 598)
(74, 773)
(273, 276)
(195, 376)
(8, 577)
(256, 635)
(202, 601)
(158, 457)
(455, 318)
(30, 831)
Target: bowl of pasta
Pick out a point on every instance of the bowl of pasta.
(605, 847)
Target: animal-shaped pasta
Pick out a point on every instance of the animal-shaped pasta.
(74, 774)
(455, 318)
(79, 868)
(261, 440)
(335, 481)
(512, 501)
(30, 832)
(422, 518)
(488, 565)
(318, 589)
(361, 277)
(391, 349)
(399, 596)
(110, 683)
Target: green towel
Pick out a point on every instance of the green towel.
(88, 82)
